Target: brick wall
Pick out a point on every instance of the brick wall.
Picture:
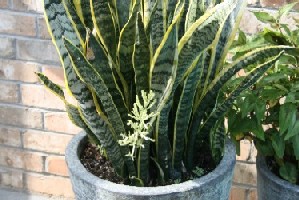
(34, 129)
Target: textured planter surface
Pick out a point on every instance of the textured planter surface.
(271, 187)
(214, 186)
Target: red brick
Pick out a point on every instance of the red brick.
(51, 185)
(18, 70)
(20, 117)
(17, 158)
(9, 93)
(10, 137)
(60, 122)
(7, 47)
(41, 97)
(11, 178)
(237, 193)
(252, 194)
(56, 165)
(3, 4)
(45, 141)
(55, 74)
(245, 174)
(42, 51)
(43, 29)
(28, 5)
(272, 3)
(17, 24)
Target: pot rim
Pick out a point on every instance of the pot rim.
(266, 172)
(225, 166)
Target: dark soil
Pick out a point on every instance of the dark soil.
(99, 166)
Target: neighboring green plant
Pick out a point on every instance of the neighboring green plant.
(174, 51)
(267, 113)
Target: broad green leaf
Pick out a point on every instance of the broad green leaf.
(260, 109)
(157, 28)
(141, 58)
(123, 8)
(164, 62)
(56, 89)
(125, 50)
(143, 162)
(289, 172)
(97, 124)
(217, 141)
(250, 79)
(163, 147)
(287, 117)
(199, 36)
(292, 130)
(264, 17)
(265, 148)
(226, 37)
(286, 9)
(95, 81)
(278, 144)
(87, 17)
(102, 65)
(104, 25)
(183, 115)
(76, 21)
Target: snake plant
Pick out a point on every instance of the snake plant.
(147, 76)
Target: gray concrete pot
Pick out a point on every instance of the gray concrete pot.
(272, 187)
(214, 186)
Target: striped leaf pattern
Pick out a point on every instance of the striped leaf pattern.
(157, 25)
(200, 35)
(60, 26)
(101, 65)
(247, 82)
(126, 47)
(104, 25)
(141, 58)
(112, 50)
(72, 14)
(183, 115)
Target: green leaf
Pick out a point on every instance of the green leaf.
(123, 8)
(293, 130)
(157, 28)
(201, 35)
(286, 9)
(94, 80)
(260, 109)
(141, 58)
(98, 126)
(164, 62)
(56, 89)
(126, 46)
(289, 172)
(104, 25)
(101, 65)
(278, 144)
(265, 148)
(287, 117)
(183, 115)
(85, 7)
(264, 17)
